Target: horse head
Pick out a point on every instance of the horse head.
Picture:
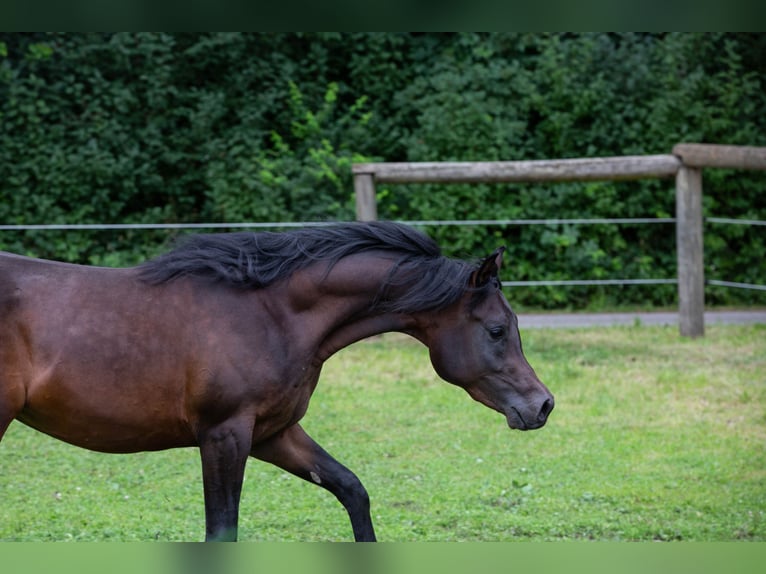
(475, 344)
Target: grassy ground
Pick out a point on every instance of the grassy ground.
(653, 438)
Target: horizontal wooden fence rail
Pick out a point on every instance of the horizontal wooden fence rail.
(726, 156)
(685, 164)
(588, 169)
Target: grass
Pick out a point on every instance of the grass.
(653, 438)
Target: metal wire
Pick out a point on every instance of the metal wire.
(421, 222)
(573, 221)
(735, 221)
(735, 284)
(590, 282)
(105, 226)
(287, 224)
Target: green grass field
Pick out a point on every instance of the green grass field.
(653, 437)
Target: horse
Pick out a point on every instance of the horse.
(219, 343)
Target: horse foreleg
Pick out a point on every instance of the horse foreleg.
(12, 398)
(296, 452)
(224, 450)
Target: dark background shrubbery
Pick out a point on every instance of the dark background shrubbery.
(152, 128)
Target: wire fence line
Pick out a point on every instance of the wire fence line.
(123, 226)
(734, 221)
(510, 222)
(422, 223)
(736, 285)
(568, 282)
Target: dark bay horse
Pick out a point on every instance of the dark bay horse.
(219, 343)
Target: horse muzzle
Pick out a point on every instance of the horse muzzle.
(531, 418)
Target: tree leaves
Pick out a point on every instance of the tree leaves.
(151, 127)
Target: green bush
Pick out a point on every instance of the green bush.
(153, 128)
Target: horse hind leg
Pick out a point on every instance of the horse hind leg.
(296, 452)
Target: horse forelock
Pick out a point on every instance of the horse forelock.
(420, 279)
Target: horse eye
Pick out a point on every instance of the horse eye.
(497, 333)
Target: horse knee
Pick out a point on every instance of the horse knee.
(358, 491)
(347, 488)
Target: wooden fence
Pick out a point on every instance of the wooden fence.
(685, 164)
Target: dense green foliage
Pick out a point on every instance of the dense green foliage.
(152, 128)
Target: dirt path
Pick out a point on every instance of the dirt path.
(569, 320)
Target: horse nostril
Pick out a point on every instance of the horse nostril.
(545, 410)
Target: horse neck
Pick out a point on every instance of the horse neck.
(341, 302)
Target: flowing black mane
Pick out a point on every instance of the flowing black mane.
(424, 279)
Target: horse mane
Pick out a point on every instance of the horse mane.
(423, 278)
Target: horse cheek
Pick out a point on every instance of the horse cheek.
(449, 364)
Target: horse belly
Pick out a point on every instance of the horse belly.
(108, 435)
(103, 395)
(99, 415)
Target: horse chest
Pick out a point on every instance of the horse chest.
(281, 403)
(297, 385)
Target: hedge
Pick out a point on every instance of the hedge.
(222, 127)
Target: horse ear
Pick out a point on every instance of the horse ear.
(489, 269)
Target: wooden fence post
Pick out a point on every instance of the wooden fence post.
(364, 189)
(689, 245)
